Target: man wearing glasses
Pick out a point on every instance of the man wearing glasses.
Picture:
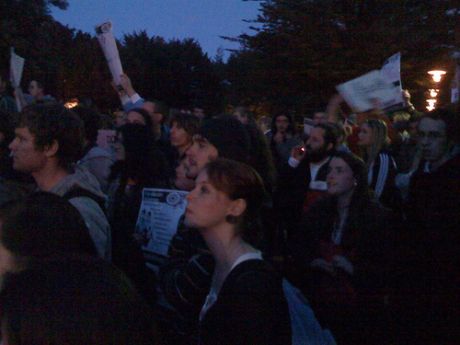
(430, 247)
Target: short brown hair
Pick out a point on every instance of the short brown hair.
(189, 122)
(49, 122)
(239, 181)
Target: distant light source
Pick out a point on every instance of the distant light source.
(433, 92)
(437, 75)
(71, 104)
(431, 104)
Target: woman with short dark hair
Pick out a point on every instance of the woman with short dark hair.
(245, 304)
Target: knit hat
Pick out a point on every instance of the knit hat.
(229, 137)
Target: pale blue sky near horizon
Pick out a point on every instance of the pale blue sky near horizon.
(203, 20)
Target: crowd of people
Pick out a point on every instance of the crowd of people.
(357, 211)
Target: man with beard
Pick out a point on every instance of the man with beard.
(303, 180)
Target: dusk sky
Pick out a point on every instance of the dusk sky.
(203, 20)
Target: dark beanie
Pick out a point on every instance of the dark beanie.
(229, 137)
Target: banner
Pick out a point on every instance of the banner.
(16, 68)
(109, 47)
(391, 72)
(368, 92)
(158, 219)
(380, 88)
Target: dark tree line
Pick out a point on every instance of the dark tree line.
(71, 64)
(301, 49)
(295, 54)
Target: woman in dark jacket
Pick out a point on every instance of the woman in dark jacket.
(245, 304)
(342, 252)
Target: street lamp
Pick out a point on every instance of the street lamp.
(436, 75)
(431, 104)
(433, 92)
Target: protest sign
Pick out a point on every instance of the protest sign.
(365, 92)
(159, 216)
(391, 72)
(380, 88)
(16, 68)
(109, 47)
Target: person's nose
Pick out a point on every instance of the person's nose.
(13, 144)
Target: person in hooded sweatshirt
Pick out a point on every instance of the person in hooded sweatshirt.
(48, 141)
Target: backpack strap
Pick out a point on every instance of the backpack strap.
(78, 192)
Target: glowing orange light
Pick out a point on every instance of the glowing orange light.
(437, 75)
(433, 92)
(431, 104)
(71, 103)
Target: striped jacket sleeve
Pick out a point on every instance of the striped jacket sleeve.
(381, 172)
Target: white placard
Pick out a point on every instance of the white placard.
(16, 68)
(363, 93)
(109, 47)
(391, 72)
(382, 87)
(159, 216)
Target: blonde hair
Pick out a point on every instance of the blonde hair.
(380, 139)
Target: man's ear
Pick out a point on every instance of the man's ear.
(237, 207)
(329, 147)
(52, 149)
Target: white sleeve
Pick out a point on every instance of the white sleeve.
(382, 175)
(293, 163)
